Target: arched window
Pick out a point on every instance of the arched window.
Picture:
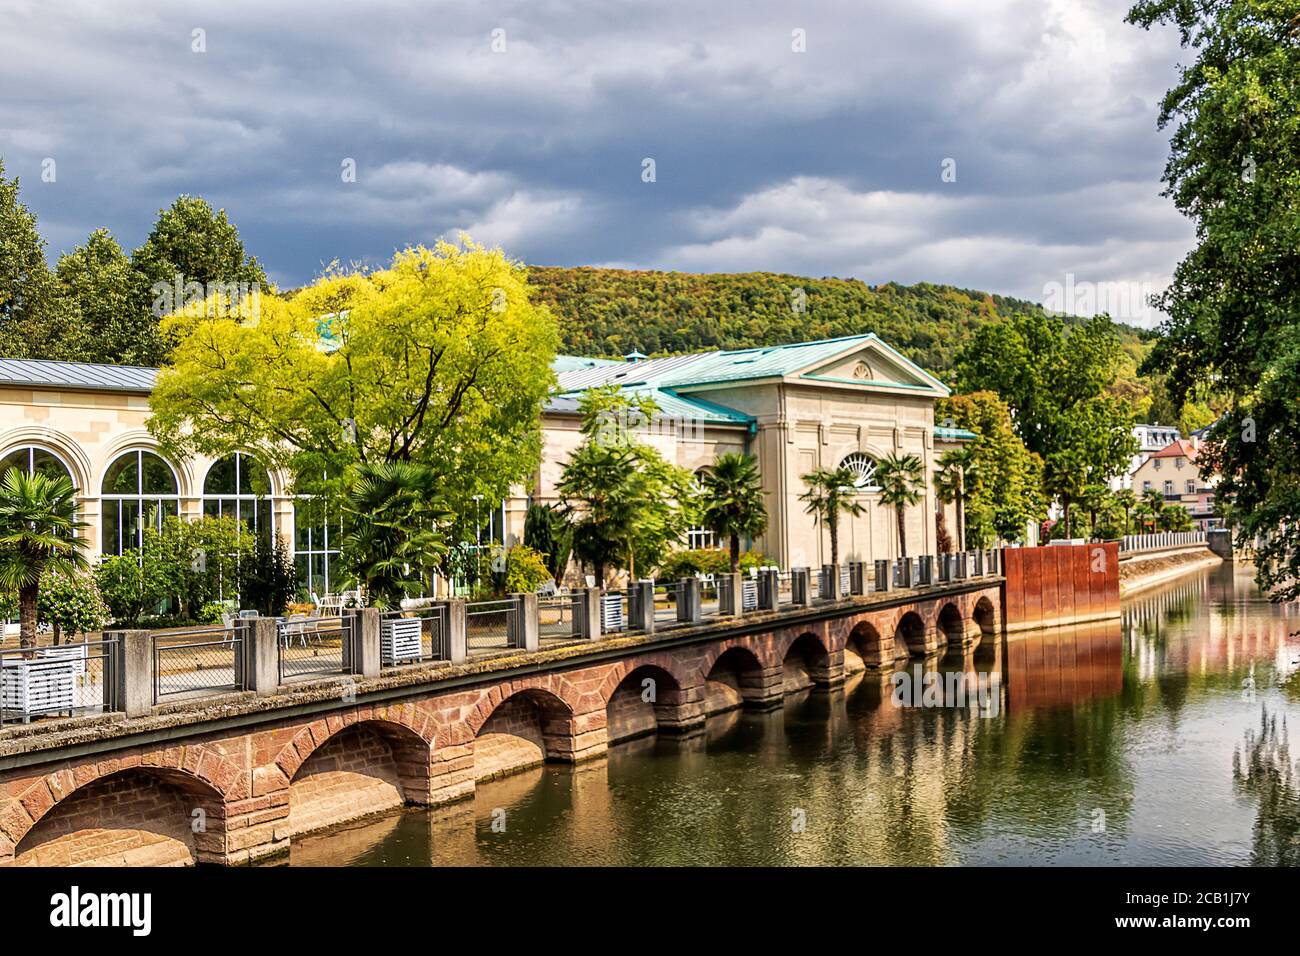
(238, 487)
(33, 460)
(139, 490)
(864, 471)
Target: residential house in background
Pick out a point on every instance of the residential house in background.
(1174, 472)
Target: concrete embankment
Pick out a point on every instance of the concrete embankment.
(1148, 570)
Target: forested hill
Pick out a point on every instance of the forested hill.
(612, 312)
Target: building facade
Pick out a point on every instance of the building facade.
(795, 408)
(1173, 472)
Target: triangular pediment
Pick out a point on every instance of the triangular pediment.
(873, 364)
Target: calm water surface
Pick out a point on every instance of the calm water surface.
(1149, 741)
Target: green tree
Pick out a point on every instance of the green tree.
(36, 319)
(1234, 169)
(830, 493)
(38, 534)
(902, 485)
(268, 577)
(732, 500)
(1004, 492)
(111, 300)
(392, 529)
(1149, 509)
(440, 361)
(547, 533)
(192, 561)
(71, 604)
(1055, 379)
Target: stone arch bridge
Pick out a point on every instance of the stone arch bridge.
(235, 780)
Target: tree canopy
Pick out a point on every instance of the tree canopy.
(441, 360)
(1234, 302)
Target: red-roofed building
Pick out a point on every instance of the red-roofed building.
(1173, 471)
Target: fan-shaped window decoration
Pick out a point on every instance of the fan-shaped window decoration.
(863, 469)
(238, 487)
(35, 460)
(139, 490)
(862, 371)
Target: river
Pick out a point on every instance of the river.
(1156, 740)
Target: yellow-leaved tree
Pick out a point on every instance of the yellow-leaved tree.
(441, 360)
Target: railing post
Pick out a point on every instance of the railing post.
(641, 596)
(133, 671)
(729, 597)
(828, 583)
(690, 610)
(457, 631)
(799, 595)
(588, 611)
(361, 649)
(527, 636)
(262, 656)
(925, 569)
(857, 578)
(882, 575)
(904, 576)
(769, 589)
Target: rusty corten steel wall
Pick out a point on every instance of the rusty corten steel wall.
(1060, 584)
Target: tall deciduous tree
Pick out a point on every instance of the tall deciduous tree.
(1234, 169)
(440, 360)
(111, 299)
(1055, 378)
(732, 500)
(36, 319)
(1004, 488)
(956, 468)
(832, 492)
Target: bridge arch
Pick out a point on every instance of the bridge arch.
(727, 676)
(525, 728)
(805, 658)
(634, 706)
(361, 768)
(951, 624)
(985, 616)
(133, 816)
(910, 633)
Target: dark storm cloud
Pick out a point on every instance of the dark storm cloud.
(824, 162)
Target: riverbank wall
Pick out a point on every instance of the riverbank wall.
(1143, 571)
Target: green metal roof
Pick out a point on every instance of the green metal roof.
(670, 404)
(954, 434)
(737, 365)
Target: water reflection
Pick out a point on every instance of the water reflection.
(1111, 744)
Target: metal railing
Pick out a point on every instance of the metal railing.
(55, 680)
(1160, 540)
(557, 617)
(666, 595)
(198, 661)
(490, 625)
(709, 603)
(414, 636)
(313, 648)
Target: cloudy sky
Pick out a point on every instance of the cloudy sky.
(809, 138)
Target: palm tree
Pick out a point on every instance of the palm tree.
(954, 475)
(1096, 499)
(733, 500)
(1126, 500)
(393, 518)
(831, 491)
(1150, 507)
(902, 482)
(38, 533)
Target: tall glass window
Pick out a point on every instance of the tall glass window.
(316, 536)
(239, 487)
(139, 490)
